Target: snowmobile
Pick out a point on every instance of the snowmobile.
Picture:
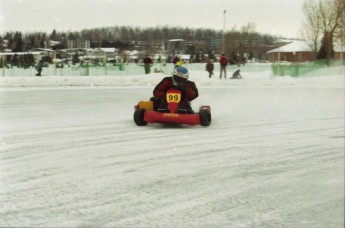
(149, 112)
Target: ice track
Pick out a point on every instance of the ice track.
(272, 157)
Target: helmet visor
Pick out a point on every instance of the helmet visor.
(179, 80)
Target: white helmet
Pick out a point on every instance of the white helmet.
(180, 76)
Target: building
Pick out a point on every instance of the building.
(300, 51)
(5, 55)
(176, 46)
(339, 51)
(295, 51)
(108, 53)
(72, 44)
(45, 54)
(215, 43)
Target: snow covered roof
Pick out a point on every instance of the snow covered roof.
(176, 40)
(107, 49)
(41, 49)
(21, 53)
(295, 46)
(53, 43)
(282, 41)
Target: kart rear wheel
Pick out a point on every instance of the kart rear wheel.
(205, 117)
(139, 117)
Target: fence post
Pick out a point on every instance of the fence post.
(3, 65)
(278, 70)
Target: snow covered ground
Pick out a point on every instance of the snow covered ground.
(72, 156)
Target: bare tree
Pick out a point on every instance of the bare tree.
(339, 34)
(312, 26)
(323, 20)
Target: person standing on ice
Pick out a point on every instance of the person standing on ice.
(39, 68)
(223, 63)
(179, 81)
(147, 64)
(177, 61)
(210, 67)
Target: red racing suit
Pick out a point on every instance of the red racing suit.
(189, 93)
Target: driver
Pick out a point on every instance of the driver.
(179, 81)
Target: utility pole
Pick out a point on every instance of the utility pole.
(224, 31)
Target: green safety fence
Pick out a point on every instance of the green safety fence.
(300, 69)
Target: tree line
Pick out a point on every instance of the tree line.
(121, 37)
(322, 26)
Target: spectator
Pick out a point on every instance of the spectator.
(38, 67)
(210, 68)
(177, 61)
(147, 64)
(236, 75)
(223, 63)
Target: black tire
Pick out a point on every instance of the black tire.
(139, 117)
(205, 117)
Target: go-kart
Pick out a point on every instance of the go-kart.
(148, 112)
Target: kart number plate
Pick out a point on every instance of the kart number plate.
(173, 97)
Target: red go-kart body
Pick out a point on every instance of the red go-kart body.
(144, 112)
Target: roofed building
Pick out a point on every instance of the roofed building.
(295, 51)
(78, 44)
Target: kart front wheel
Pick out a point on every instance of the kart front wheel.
(205, 117)
(139, 117)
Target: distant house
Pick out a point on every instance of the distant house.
(72, 44)
(339, 51)
(129, 56)
(45, 54)
(295, 51)
(36, 54)
(109, 54)
(45, 51)
(53, 43)
(176, 46)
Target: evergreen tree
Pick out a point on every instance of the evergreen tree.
(53, 35)
(75, 58)
(2, 47)
(19, 43)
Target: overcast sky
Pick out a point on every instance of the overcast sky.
(276, 17)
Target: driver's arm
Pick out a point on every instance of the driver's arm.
(159, 90)
(191, 91)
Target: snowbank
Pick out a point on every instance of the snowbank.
(263, 78)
